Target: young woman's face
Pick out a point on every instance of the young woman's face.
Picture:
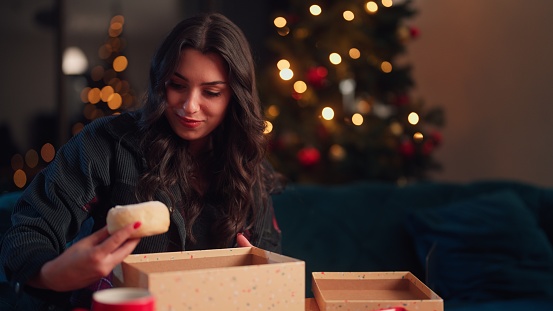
(198, 95)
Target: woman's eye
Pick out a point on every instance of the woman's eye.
(213, 94)
(175, 85)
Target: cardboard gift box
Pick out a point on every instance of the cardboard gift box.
(245, 278)
(373, 291)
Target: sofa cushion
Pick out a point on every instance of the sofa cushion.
(484, 248)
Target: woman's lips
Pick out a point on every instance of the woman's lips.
(189, 123)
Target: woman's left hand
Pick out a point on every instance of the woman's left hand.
(241, 241)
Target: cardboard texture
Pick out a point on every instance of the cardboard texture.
(311, 304)
(373, 291)
(245, 278)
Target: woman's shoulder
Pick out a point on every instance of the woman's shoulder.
(121, 126)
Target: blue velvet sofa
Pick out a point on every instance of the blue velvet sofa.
(485, 245)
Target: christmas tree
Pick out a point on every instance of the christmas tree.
(337, 94)
(108, 91)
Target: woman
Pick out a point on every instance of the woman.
(197, 145)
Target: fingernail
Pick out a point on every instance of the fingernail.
(137, 224)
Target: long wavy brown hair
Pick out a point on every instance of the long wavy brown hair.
(240, 182)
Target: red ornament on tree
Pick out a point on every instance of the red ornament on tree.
(316, 76)
(407, 148)
(309, 156)
(436, 137)
(414, 31)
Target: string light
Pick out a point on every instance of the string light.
(268, 127)
(335, 58)
(387, 3)
(413, 118)
(300, 86)
(286, 74)
(283, 64)
(315, 10)
(386, 67)
(280, 22)
(418, 137)
(31, 158)
(327, 113)
(47, 152)
(337, 152)
(357, 119)
(272, 111)
(120, 63)
(371, 7)
(348, 15)
(354, 53)
(20, 178)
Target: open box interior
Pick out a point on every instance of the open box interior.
(380, 289)
(372, 290)
(200, 263)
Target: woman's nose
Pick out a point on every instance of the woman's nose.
(191, 103)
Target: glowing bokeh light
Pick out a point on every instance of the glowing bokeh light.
(371, 7)
(418, 136)
(20, 178)
(357, 119)
(337, 152)
(396, 128)
(272, 111)
(283, 64)
(387, 3)
(327, 113)
(315, 10)
(413, 118)
(335, 58)
(120, 63)
(348, 16)
(268, 127)
(105, 93)
(286, 74)
(47, 152)
(280, 22)
(17, 162)
(300, 86)
(31, 158)
(386, 67)
(354, 53)
(115, 101)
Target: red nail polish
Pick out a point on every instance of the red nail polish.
(137, 224)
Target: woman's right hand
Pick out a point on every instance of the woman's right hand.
(86, 261)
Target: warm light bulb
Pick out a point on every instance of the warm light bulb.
(386, 67)
(286, 74)
(31, 158)
(120, 63)
(315, 10)
(74, 61)
(413, 118)
(268, 127)
(371, 7)
(354, 53)
(357, 119)
(280, 22)
(335, 58)
(283, 64)
(300, 87)
(47, 152)
(348, 16)
(327, 113)
(418, 136)
(272, 112)
(387, 3)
